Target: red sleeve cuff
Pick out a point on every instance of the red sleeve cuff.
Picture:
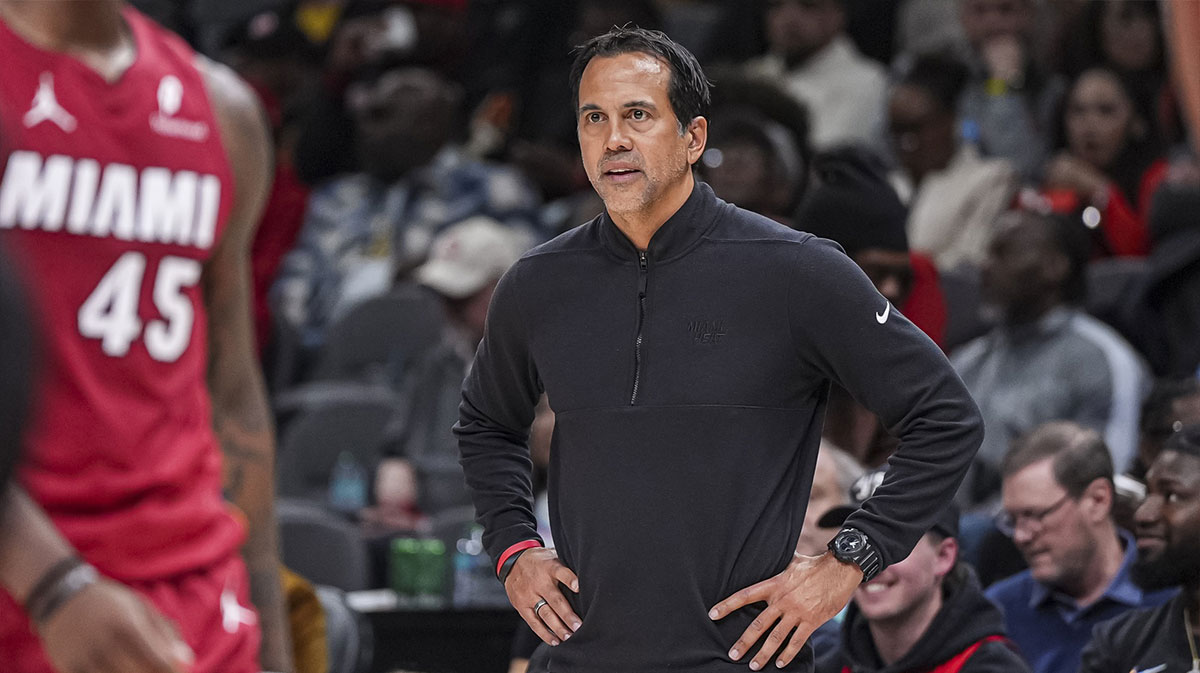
(520, 546)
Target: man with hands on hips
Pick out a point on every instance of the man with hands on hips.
(687, 347)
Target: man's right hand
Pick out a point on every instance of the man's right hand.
(107, 628)
(536, 576)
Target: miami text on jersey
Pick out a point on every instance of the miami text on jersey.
(80, 196)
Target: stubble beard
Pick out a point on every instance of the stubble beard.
(627, 200)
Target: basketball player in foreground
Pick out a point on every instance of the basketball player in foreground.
(133, 174)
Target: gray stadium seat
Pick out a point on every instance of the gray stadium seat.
(326, 420)
(348, 635)
(321, 546)
(379, 333)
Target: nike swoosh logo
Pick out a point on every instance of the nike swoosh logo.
(882, 317)
(1157, 669)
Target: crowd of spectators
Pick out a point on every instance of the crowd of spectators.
(1015, 176)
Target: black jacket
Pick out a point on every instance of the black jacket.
(966, 618)
(689, 384)
(1153, 639)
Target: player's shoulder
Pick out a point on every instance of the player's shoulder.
(234, 102)
(243, 124)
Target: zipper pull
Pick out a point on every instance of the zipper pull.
(642, 269)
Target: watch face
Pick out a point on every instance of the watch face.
(850, 543)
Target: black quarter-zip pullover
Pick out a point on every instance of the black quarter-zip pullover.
(689, 383)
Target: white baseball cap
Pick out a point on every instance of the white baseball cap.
(466, 256)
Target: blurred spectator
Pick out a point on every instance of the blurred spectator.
(526, 115)
(1058, 498)
(1010, 101)
(834, 475)
(273, 53)
(280, 62)
(1109, 159)
(851, 203)
(736, 93)
(819, 65)
(420, 473)
(929, 27)
(752, 162)
(364, 230)
(1168, 535)
(1046, 359)
(1126, 36)
(924, 613)
(369, 35)
(954, 195)
(1171, 405)
(871, 25)
(1164, 317)
(16, 375)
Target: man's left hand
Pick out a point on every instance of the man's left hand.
(810, 592)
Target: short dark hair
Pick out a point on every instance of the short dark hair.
(688, 89)
(943, 76)
(1080, 455)
(1156, 408)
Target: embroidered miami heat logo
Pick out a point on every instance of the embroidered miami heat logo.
(46, 107)
(165, 122)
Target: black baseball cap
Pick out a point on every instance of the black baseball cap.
(864, 486)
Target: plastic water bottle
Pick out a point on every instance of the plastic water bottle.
(348, 484)
(475, 583)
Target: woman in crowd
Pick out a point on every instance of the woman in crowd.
(1127, 36)
(1109, 163)
(953, 194)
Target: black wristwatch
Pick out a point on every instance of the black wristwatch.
(851, 545)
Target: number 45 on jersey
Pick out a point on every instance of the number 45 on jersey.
(110, 313)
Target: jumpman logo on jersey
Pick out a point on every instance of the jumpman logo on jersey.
(46, 107)
(234, 614)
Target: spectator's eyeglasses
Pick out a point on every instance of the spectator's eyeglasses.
(1008, 522)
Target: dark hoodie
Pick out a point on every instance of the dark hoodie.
(966, 618)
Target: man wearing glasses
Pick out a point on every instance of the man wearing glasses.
(1058, 500)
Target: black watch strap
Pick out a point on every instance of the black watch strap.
(851, 545)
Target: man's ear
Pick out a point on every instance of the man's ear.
(697, 135)
(1097, 499)
(947, 556)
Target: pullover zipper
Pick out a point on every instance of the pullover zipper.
(637, 344)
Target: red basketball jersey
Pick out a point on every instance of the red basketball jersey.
(112, 199)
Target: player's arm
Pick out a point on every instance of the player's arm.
(87, 624)
(240, 413)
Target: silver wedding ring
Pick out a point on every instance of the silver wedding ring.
(540, 604)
